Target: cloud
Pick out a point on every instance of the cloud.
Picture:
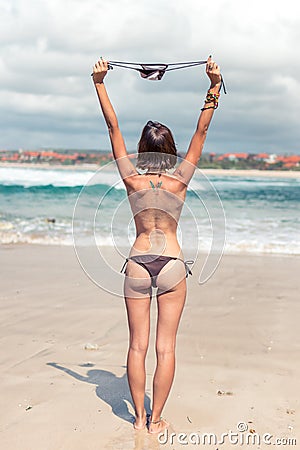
(48, 49)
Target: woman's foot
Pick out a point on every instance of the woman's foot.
(140, 421)
(157, 426)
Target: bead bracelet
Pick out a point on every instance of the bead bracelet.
(211, 98)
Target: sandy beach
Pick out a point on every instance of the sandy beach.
(216, 172)
(237, 354)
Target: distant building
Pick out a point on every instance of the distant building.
(272, 159)
(236, 161)
(233, 156)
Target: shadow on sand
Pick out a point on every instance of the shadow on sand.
(111, 389)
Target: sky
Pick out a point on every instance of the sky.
(48, 48)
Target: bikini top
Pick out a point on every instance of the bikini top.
(157, 71)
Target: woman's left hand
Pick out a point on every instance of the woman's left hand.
(213, 72)
(100, 70)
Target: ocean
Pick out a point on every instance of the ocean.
(232, 214)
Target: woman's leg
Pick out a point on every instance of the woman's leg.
(137, 298)
(170, 306)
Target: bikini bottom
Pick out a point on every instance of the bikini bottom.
(154, 264)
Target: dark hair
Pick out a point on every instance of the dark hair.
(156, 148)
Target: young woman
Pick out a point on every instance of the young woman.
(156, 198)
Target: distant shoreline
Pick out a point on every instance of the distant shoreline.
(216, 172)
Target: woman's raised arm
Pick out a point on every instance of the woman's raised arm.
(186, 168)
(126, 168)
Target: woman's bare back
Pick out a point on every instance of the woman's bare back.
(156, 202)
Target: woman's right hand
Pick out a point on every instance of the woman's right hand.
(100, 70)
(213, 72)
